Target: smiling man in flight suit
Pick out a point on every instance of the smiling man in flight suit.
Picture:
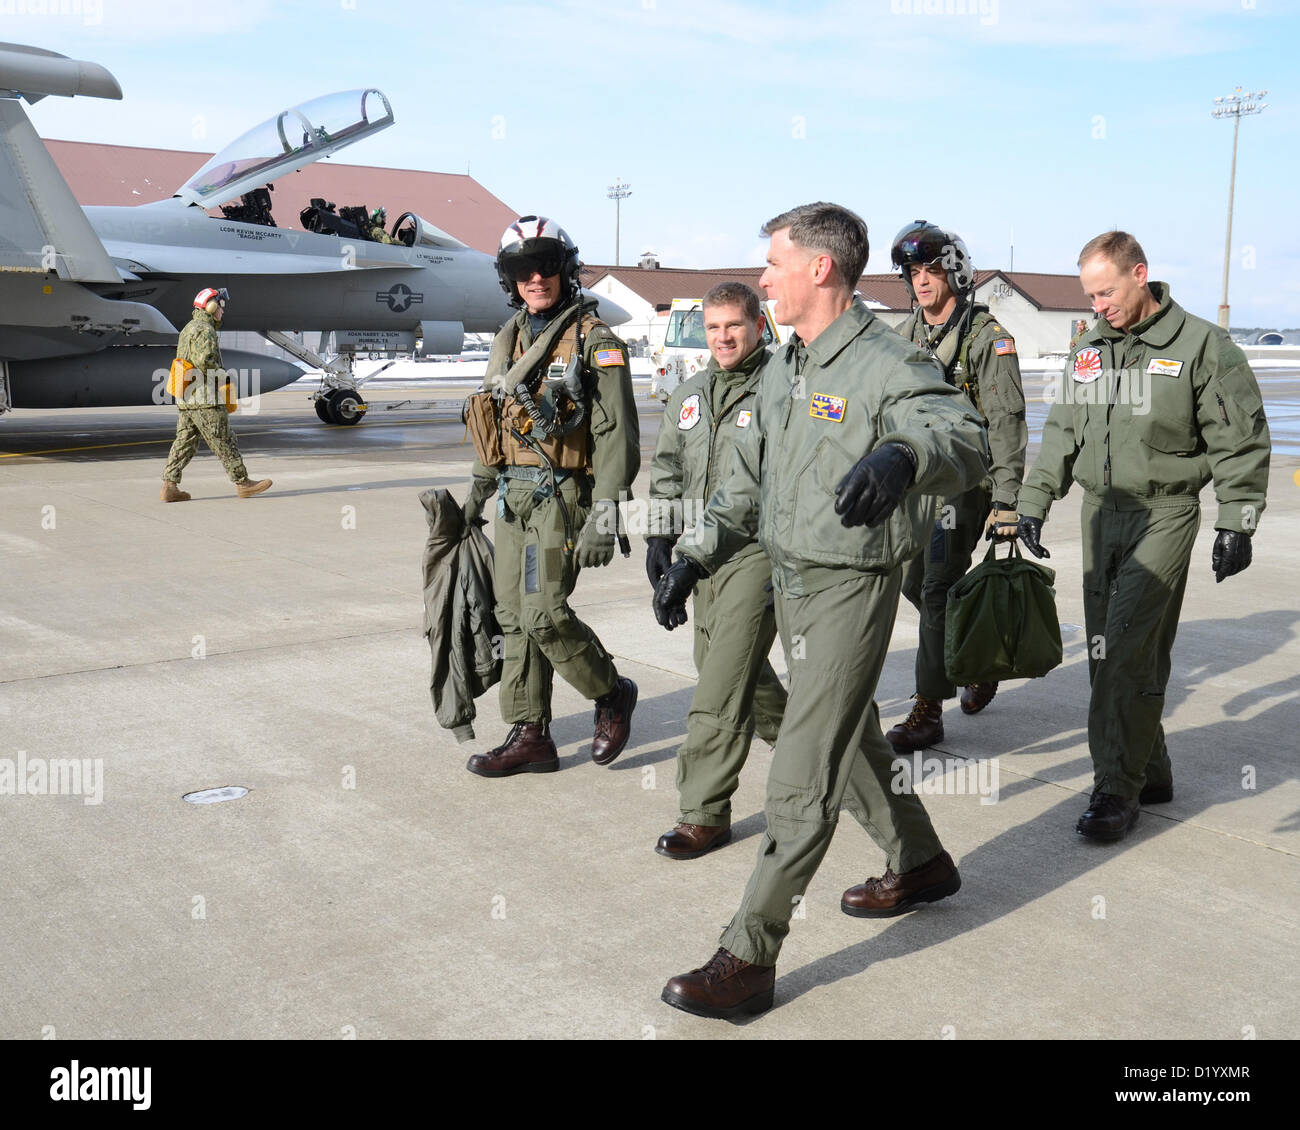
(1156, 403)
(738, 693)
(853, 427)
(558, 443)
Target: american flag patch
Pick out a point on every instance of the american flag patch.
(1004, 345)
(607, 357)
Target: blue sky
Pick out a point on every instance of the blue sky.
(1057, 118)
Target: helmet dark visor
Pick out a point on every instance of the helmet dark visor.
(521, 268)
(919, 245)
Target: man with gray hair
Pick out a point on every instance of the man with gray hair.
(853, 429)
(738, 693)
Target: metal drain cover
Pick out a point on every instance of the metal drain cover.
(216, 796)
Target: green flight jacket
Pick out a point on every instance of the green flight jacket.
(1145, 418)
(696, 448)
(992, 376)
(200, 346)
(821, 407)
(615, 428)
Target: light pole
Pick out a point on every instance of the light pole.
(1235, 106)
(617, 192)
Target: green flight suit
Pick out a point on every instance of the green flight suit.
(986, 366)
(535, 570)
(202, 408)
(1143, 420)
(738, 693)
(821, 406)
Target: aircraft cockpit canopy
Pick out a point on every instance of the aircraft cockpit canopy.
(293, 138)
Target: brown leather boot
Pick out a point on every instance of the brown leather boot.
(894, 894)
(977, 696)
(528, 748)
(613, 722)
(171, 492)
(248, 488)
(723, 988)
(922, 728)
(690, 841)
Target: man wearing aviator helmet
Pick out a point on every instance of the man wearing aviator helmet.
(979, 357)
(200, 386)
(557, 443)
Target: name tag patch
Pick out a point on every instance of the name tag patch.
(1087, 365)
(742, 419)
(689, 416)
(823, 407)
(1165, 367)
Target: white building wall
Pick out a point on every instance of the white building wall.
(1037, 332)
(643, 318)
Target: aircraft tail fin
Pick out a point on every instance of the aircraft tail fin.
(44, 228)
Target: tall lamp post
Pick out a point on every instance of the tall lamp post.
(1234, 106)
(617, 192)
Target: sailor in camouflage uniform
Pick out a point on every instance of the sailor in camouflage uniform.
(201, 398)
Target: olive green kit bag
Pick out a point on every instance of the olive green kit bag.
(1001, 621)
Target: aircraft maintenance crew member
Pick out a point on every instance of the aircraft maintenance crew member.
(853, 427)
(558, 444)
(202, 403)
(738, 693)
(377, 220)
(978, 356)
(1158, 403)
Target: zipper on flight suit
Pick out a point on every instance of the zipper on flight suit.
(1114, 392)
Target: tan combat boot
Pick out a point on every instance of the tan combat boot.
(248, 488)
(171, 492)
(920, 729)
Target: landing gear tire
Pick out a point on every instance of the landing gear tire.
(346, 407)
(323, 410)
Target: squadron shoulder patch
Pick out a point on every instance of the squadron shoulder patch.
(743, 418)
(689, 416)
(607, 357)
(1003, 346)
(824, 407)
(1087, 365)
(1163, 366)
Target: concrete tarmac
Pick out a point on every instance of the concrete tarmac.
(368, 885)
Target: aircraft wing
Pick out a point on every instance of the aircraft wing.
(47, 247)
(42, 227)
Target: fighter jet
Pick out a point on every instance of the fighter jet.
(91, 299)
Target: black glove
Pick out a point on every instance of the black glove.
(673, 589)
(868, 494)
(1231, 554)
(1029, 530)
(658, 558)
(480, 490)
